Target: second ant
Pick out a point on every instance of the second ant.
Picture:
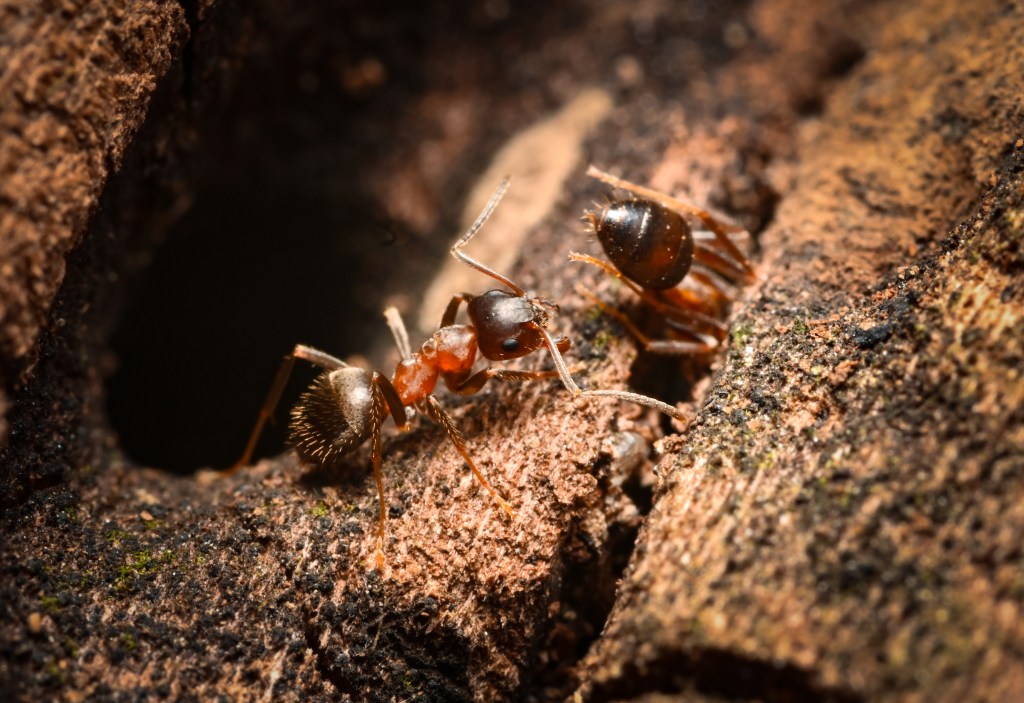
(680, 260)
(346, 405)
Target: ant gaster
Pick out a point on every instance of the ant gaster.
(347, 405)
(654, 241)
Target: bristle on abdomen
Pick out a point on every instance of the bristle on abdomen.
(332, 415)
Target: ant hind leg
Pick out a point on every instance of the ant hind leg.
(655, 346)
(682, 312)
(376, 421)
(301, 351)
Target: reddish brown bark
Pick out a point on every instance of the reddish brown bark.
(842, 521)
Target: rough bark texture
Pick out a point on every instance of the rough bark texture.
(843, 519)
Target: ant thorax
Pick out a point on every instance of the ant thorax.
(452, 349)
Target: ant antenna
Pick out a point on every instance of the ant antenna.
(471, 232)
(398, 331)
(570, 385)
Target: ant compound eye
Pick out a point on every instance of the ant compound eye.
(510, 345)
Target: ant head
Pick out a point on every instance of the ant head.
(508, 326)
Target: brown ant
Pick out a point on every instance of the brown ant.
(654, 241)
(346, 405)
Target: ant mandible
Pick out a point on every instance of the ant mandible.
(346, 405)
(654, 241)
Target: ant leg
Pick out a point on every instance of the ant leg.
(611, 271)
(266, 411)
(434, 409)
(377, 415)
(707, 219)
(706, 239)
(655, 346)
(705, 291)
(317, 357)
(301, 351)
(475, 382)
(398, 331)
(702, 293)
(385, 399)
(456, 249)
(713, 283)
(718, 263)
(394, 402)
(687, 316)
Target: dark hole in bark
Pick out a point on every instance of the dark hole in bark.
(250, 270)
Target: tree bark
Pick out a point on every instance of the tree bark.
(842, 520)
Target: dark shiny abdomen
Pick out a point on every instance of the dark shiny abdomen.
(650, 244)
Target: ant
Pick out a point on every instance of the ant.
(653, 242)
(346, 405)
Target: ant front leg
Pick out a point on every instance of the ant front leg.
(452, 310)
(474, 383)
(301, 351)
(432, 407)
